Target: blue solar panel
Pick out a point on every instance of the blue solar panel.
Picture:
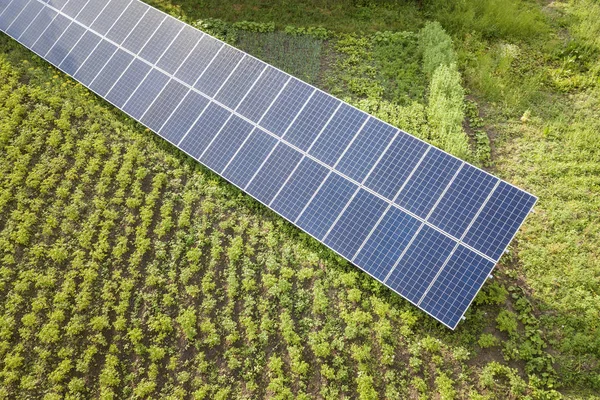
(417, 267)
(206, 127)
(262, 94)
(107, 77)
(164, 105)
(286, 107)
(499, 220)
(126, 22)
(364, 152)
(10, 13)
(204, 130)
(90, 11)
(50, 35)
(109, 16)
(197, 61)
(428, 182)
(428, 225)
(332, 142)
(218, 71)
(128, 82)
(455, 288)
(142, 32)
(273, 173)
(240, 81)
(160, 40)
(94, 63)
(387, 241)
(227, 142)
(250, 157)
(396, 165)
(38, 25)
(145, 94)
(326, 205)
(27, 14)
(311, 120)
(463, 199)
(299, 188)
(177, 51)
(72, 8)
(183, 117)
(64, 44)
(79, 53)
(355, 223)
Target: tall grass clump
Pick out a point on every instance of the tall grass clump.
(445, 111)
(445, 108)
(492, 19)
(436, 46)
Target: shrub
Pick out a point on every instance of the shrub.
(436, 46)
(445, 111)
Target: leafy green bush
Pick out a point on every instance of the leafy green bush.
(436, 47)
(445, 111)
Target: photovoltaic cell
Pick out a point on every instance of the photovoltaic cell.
(164, 105)
(64, 44)
(346, 123)
(127, 21)
(311, 120)
(179, 49)
(250, 157)
(58, 4)
(462, 200)
(109, 16)
(454, 289)
(218, 71)
(458, 219)
(128, 82)
(364, 152)
(107, 77)
(142, 32)
(225, 145)
(499, 220)
(79, 52)
(184, 116)
(298, 190)
(286, 107)
(421, 262)
(428, 182)
(326, 205)
(262, 94)
(39, 24)
(145, 94)
(72, 8)
(387, 242)
(90, 12)
(27, 14)
(160, 40)
(273, 173)
(198, 59)
(92, 66)
(240, 81)
(396, 165)
(355, 223)
(50, 35)
(205, 128)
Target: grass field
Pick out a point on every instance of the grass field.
(129, 270)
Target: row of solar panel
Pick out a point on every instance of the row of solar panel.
(312, 113)
(386, 242)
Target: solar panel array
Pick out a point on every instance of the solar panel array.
(426, 224)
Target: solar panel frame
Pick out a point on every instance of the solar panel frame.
(531, 199)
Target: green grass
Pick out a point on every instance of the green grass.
(301, 56)
(127, 269)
